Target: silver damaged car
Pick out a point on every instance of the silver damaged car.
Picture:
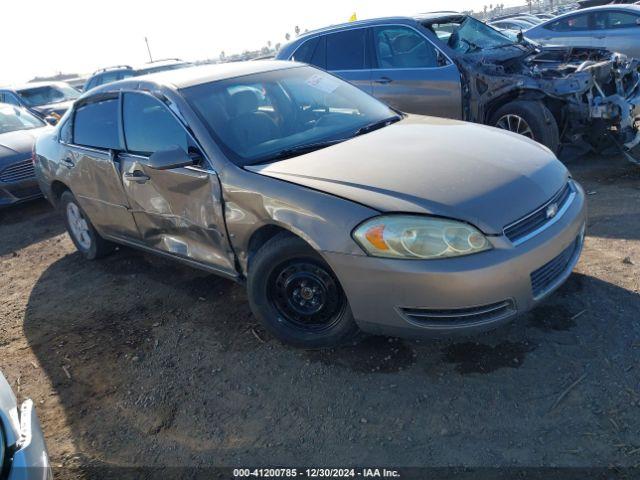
(339, 214)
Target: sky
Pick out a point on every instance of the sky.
(80, 36)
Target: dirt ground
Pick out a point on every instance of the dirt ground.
(136, 361)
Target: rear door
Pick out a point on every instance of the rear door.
(90, 166)
(178, 210)
(618, 31)
(412, 75)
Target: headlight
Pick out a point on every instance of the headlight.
(418, 237)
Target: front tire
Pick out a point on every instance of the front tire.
(297, 297)
(531, 119)
(82, 232)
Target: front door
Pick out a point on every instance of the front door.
(177, 210)
(412, 75)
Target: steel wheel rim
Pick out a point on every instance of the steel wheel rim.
(306, 296)
(515, 123)
(79, 226)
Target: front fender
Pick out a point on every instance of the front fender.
(253, 201)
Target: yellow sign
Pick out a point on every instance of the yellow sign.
(353, 17)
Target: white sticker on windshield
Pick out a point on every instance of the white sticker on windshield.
(323, 82)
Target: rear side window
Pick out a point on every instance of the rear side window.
(96, 125)
(616, 20)
(305, 51)
(346, 50)
(149, 127)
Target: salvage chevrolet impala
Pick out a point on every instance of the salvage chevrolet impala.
(339, 214)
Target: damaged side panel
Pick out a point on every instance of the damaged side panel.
(178, 211)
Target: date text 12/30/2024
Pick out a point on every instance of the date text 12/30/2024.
(314, 473)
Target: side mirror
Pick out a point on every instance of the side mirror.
(51, 120)
(174, 157)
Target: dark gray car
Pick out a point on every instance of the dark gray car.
(48, 100)
(120, 72)
(18, 132)
(338, 213)
(452, 65)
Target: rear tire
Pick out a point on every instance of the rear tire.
(82, 232)
(297, 297)
(529, 118)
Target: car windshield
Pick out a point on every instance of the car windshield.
(14, 118)
(48, 94)
(469, 35)
(283, 113)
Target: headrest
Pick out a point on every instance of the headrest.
(244, 101)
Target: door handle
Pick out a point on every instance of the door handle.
(137, 176)
(599, 37)
(383, 80)
(67, 162)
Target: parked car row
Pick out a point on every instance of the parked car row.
(454, 66)
(119, 72)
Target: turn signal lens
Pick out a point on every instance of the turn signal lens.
(418, 237)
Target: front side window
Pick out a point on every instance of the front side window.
(48, 94)
(149, 127)
(14, 118)
(96, 125)
(402, 47)
(571, 23)
(273, 115)
(346, 50)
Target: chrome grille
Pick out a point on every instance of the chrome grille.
(525, 228)
(17, 172)
(481, 314)
(545, 277)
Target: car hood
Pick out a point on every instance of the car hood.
(19, 143)
(482, 175)
(58, 108)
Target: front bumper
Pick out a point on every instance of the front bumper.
(436, 298)
(14, 193)
(30, 460)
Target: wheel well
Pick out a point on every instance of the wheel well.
(555, 106)
(57, 189)
(262, 236)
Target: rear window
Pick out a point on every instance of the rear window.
(346, 50)
(96, 125)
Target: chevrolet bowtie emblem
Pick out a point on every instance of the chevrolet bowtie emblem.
(552, 210)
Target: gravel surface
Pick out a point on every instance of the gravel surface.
(136, 361)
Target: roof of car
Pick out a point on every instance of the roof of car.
(429, 17)
(23, 86)
(191, 76)
(611, 6)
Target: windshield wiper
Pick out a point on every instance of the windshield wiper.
(298, 150)
(376, 125)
